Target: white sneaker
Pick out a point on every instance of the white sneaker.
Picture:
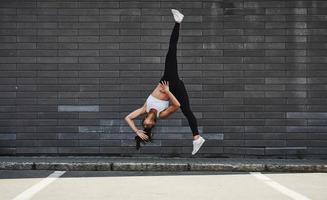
(177, 15)
(197, 144)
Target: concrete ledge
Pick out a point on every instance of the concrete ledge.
(84, 163)
(244, 167)
(16, 165)
(73, 166)
(150, 166)
(297, 168)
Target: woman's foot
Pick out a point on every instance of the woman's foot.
(177, 15)
(197, 143)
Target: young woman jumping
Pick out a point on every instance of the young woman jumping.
(169, 89)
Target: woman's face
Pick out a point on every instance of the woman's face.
(149, 120)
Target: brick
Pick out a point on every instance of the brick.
(77, 108)
(264, 115)
(306, 115)
(294, 11)
(283, 151)
(243, 94)
(264, 87)
(78, 150)
(286, 94)
(286, 80)
(9, 136)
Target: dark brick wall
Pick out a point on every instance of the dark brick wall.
(255, 71)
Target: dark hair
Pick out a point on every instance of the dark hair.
(147, 132)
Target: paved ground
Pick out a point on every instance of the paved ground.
(138, 185)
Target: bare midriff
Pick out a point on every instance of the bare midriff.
(157, 93)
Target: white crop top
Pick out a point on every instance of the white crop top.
(158, 104)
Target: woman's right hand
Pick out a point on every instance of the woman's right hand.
(142, 134)
(165, 86)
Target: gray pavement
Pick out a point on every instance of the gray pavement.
(102, 163)
(143, 185)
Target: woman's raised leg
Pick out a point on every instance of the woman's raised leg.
(171, 70)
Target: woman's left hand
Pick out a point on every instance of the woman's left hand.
(165, 86)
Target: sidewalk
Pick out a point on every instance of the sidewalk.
(100, 163)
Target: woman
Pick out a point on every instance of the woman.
(170, 88)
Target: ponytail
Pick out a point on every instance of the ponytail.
(139, 140)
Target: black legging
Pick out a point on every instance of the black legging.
(176, 86)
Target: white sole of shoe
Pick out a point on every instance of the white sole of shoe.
(200, 145)
(178, 14)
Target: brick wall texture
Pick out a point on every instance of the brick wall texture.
(255, 71)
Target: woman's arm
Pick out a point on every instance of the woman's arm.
(172, 108)
(129, 118)
(174, 101)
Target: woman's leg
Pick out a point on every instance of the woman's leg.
(182, 96)
(171, 70)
